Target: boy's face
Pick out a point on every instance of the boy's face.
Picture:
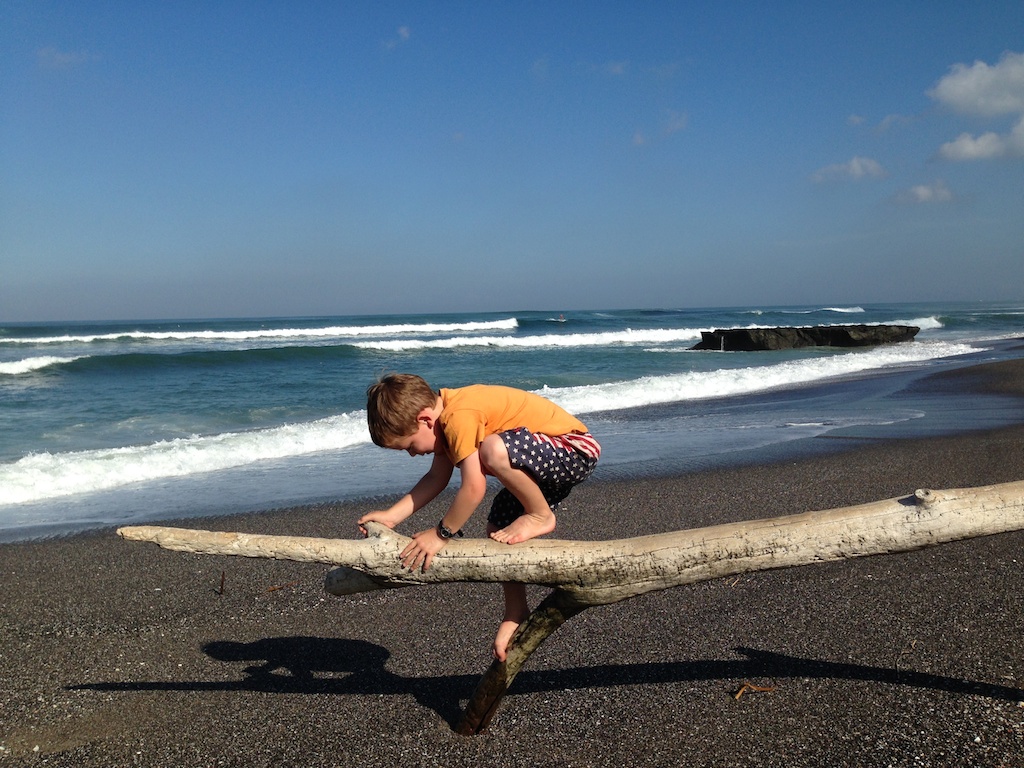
(420, 442)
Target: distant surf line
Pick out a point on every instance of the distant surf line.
(784, 311)
(629, 336)
(607, 338)
(271, 333)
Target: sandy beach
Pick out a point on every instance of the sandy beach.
(115, 653)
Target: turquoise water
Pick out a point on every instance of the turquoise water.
(111, 422)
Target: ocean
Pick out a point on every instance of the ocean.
(111, 423)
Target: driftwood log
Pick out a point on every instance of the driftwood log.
(587, 573)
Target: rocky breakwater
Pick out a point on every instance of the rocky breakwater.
(755, 339)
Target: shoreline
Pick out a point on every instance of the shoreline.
(680, 437)
(119, 653)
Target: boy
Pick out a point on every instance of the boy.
(537, 450)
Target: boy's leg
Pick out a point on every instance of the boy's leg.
(537, 476)
(516, 611)
(509, 507)
(537, 518)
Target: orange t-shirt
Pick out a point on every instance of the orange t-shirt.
(469, 414)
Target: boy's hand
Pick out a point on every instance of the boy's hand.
(421, 549)
(379, 516)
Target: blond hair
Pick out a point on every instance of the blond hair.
(393, 404)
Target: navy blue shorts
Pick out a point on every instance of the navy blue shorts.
(556, 470)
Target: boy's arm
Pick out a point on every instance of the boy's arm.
(426, 490)
(473, 487)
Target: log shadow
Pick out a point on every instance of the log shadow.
(336, 666)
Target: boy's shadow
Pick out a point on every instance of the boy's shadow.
(301, 659)
(335, 666)
(339, 666)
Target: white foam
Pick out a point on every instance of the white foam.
(44, 475)
(30, 364)
(654, 390)
(334, 331)
(628, 336)
(924, 323)
(625, 337)
(843, 310)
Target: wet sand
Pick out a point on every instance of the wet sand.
(115, 653)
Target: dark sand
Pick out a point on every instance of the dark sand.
(115, 653)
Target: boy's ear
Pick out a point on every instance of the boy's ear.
(426, 416)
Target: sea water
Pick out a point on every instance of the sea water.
(106, 423)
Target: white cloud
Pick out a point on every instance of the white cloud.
(676, 121)
(673, 123)
(986, 146)
(983, 90)
(967, 147)
(937, 192)
(52, 58)
(886, 123)
(856, 168)
(986, 91)
(890, 121)
(403, 35)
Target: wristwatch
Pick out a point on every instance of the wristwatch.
(445, 532)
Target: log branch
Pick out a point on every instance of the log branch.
(587, 573)
(603, 572)
(553, 611)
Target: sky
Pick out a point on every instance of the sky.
(244, 159)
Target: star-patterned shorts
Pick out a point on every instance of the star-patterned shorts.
(555, 469)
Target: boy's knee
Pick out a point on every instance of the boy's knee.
(493, 454)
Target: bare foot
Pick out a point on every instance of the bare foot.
(505, 631)
(525, 527)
